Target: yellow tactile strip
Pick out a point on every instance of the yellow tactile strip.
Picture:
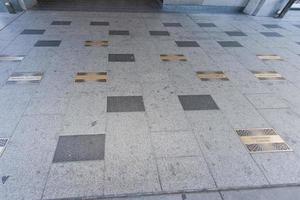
(91, 76)
(172, 57)
(212, 75)
(96, 43)
(267, 75)
(269, 57)
(260, 140)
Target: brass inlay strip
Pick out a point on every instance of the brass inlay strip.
(269, 57)
(25, 78)
(91, 76)
(271, 75)
(96, 43)
(173, 57)
(208, 75)
(11, 58)
(261, 139)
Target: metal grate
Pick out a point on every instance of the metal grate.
(25, 77)
(267, 75)
(269, 57)
(212, 75)
(91, 76)
(262, 140)
(96, 43)
(3, 143)
(173, 57)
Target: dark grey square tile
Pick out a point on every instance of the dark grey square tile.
(33, 32)
(172, 24)
(64, 23)
(47, 43)
(271, 34)
(80, 148)
(121, 58)
(197, 102)
(297, 25)
(271, 26)
(235, 33)
(125, 104)
(298, 43)
(99, 23)
(230, 44)
(159, 33)
(119, 32)
(187, 44)
(207, 25)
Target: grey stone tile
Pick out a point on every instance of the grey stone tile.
(230, 44)
(197, 102)
(125, 104)
(262, 101)
(272, 26)
(207, 25)
(184, 173)
(98, 23)
(235, 33)
(121, 58)
(187, 44)
(203, 196)
(47, 43)
(172, 24)
(118, 32)
(159, 33)
(63, 23)
(271, 34)
(80, 148)
(33, 32)
(75, 179)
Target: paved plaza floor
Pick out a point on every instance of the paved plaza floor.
(150, 106)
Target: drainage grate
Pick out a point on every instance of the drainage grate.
(212, 75)
(121, 58)
(47, 43)
(11, 58)
(62, 23)
(96, 43)
(99, 23)
(262, 140)
(187, 44)
(33, 32)
(172, 24)
(267, 75)
(91, 76)
(269, 57)
(173, 57)
(3, 143)
(25, 77)
(118, 32)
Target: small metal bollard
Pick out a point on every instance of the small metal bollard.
(10, 7)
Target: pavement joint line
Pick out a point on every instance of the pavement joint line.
(162, 193)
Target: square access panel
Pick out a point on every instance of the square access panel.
(172, 24)
(3, 143)
(47, 43)
(230, 44)
(33, 32)
(125, 104)
(197, 102)
(118, 32)
(80, 148)
(159, 33)
(25, 77)
(121, 58)
(235, 33)
(63, 23)
(271, 34)
(91, 76)
(207, 25)
(99, 23)
(262, 140)
(272, 26)
(187, 44)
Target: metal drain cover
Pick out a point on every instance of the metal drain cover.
(91, 76)
(262, 140)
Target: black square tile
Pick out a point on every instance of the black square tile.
(121, 58)
(119, 32)
(271, 34)
(271, 26)
(187, 44)
(99, 23)
(80, 148)
(235, 33)
(172, 24)
(33, 32)
(197, 102)
(230, 44)
(47, 43)
(63, 23)
(125, 104)
(207, 25)
(159, 33)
